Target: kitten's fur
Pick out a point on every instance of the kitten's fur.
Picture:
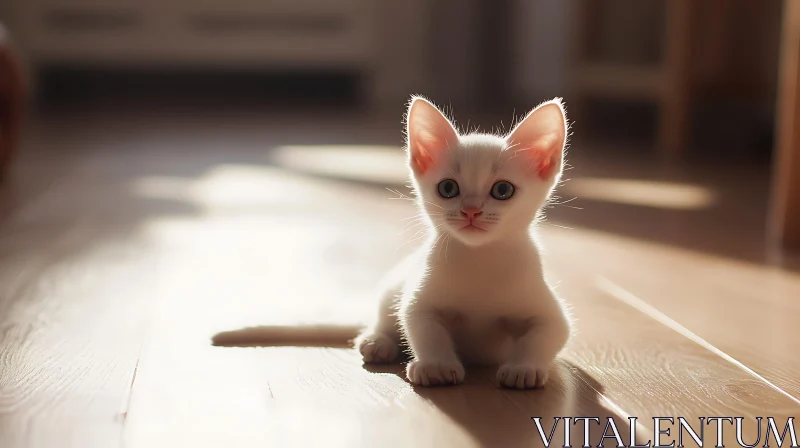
(471, 295)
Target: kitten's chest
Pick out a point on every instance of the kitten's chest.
(481, 289)
(483, 338)
(483, 325)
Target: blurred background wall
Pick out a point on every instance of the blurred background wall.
(649, 81)
(473, 55)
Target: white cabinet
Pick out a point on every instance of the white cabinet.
(262, 32)
(387, 42)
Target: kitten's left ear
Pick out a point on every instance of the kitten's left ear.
(540, 138)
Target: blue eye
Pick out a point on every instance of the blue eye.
(448, 189)
(502, 190)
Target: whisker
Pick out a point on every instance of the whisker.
(446, 246)
(554, 202)
(431, 203)
(419, 231)
(415, 237)
(411, 227)
(406, 198)
(422, 215)
(563, 202)
(397, 192)
(419, 226)
(400, 195)
(435, 243)
(410, 240)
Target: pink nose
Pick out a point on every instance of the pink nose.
(471, 212)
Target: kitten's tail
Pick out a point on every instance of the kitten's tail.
(334, 336)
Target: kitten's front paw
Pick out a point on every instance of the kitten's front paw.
(522, 376)
(377, 348)
(433, 373)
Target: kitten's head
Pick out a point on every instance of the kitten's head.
(480, 187)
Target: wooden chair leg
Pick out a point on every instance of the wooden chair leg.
(785, 206)
(11, 104)
(674, 121)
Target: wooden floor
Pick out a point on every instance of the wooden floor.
(128, 242)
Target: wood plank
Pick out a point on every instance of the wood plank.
(71, 325)
(628, 352)
(218, 243)
(248, 396)
(317, 263)
(746, 310)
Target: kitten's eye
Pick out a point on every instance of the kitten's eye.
(502, 190)
(448, 188)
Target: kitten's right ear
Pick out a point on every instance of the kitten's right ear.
(430, 134)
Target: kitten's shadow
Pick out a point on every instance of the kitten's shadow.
(492, 415)
(496, 416)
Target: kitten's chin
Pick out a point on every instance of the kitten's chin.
(471, 228)
(472, 235)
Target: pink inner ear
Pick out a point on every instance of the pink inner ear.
(540, 138)
(429, 134)
(421, 161)
(423, 146)
(544, 153)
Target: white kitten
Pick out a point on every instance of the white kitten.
(475, 291)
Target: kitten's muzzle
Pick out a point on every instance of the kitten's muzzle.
(471, 213)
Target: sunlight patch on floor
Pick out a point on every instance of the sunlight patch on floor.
(366, 163)
(669, 195)
(252, 189)
(225, 186)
